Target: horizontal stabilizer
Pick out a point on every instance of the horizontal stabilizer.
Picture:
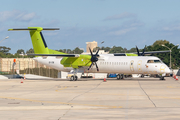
(32, 28)
(57, 55)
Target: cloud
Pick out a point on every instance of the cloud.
(122, 31)
(16, 15)
(171, 28)
(120, 16)
(126, 27)
(25, 16)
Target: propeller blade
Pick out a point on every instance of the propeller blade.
(90, 66)
(90, 52)
(143, 51)
(137, 51)
(94, 59)
(97, 52)
(97, 67)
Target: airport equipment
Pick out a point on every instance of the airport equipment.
(104, 79)
(21, 80)
(176, 77)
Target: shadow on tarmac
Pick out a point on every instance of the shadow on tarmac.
(107, 79)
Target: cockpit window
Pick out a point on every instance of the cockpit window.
(150, 61)
(153, 61)
(157, 61)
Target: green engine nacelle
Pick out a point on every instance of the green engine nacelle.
(75, 62)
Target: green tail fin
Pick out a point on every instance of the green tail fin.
(38, 41)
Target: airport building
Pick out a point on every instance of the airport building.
(91, 45)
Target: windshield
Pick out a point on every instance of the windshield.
(153, 61)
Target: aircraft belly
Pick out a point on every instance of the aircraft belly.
(53, 63)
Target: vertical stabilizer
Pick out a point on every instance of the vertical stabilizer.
(38, 41)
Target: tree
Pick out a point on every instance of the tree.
(116, 50)
(132, 50)
(160, 42)
(20, 51)
(125, 50)
(4, 49)
(77, 51)
(95, 49)
(165, 57)
(30, 51)
(69, 51)
(106, 49)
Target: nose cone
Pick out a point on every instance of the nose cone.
(167, 70)
(164, 69)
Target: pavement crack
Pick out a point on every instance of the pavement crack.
(85, 92)
(65, 112)
(146, 94)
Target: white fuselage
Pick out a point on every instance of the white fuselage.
(115, 64)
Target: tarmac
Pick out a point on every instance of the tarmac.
(90, 99)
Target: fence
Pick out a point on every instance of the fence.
(27, 66)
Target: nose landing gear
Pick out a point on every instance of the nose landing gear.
(162, 76)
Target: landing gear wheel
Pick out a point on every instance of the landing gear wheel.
(76, 78)
(142, 75)
(118, 77)
(122, 76)
(72, 78)
(162, 78)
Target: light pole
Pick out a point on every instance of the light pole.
(4, 38)
(170, 49)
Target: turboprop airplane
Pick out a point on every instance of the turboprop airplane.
(102, 63)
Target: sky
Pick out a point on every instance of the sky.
(124, 23)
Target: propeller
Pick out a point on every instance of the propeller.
(94, 59)
(142, 54)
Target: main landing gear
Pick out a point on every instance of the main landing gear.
(161, 78)
(120, 76)
(74, 77)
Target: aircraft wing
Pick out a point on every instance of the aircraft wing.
(153, 52)
(57, 55)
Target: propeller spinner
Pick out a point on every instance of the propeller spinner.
(94, 59)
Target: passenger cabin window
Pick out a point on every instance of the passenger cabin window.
(153, 61)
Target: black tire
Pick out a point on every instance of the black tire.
(142, 75)
(118, 76)
(162, 78)
(72, 78)
(76, 78)
(122, 76)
